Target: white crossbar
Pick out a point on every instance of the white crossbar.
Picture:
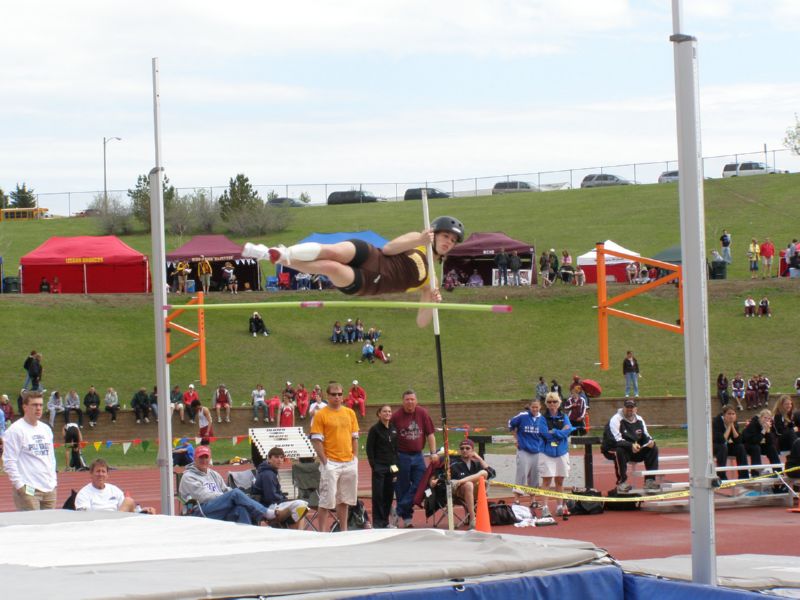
(685, 471)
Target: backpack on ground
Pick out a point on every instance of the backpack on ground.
(357, 517)
(622, 505)
(501, 513)
(586, 507)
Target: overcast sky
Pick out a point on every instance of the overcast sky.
(362, 91)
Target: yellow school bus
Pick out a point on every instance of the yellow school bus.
(22, 214)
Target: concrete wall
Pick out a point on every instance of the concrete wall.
(492, 415)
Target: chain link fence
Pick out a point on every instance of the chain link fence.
(74, 203)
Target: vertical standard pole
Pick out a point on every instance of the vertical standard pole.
(602, 299)
(695, 338)
(437, 339)
(159, 312)
(105, 183)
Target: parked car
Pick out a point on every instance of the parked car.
(603, 180)
(668, 177)
(416, 193)
(509, 187)
(747, 168)
(285, 202)
(351, 197)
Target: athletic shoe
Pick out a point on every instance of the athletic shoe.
(624, 488)
(219, 420)
(146, 420)
(651, 484)
(265, 420)
(138, 421)
(265, 334)
(255, 419)
(254, 335)
(191, 421)
(227, 420)
(546, 513)
(279, 254)
(560, 510)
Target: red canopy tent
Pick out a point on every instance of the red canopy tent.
(479, 250)
(86, 265)
(218, 250)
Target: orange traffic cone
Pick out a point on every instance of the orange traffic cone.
(482, 509)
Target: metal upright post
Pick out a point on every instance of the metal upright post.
(159, 310)
(695, 340)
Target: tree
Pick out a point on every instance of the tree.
(22, 197)
(272, 195)
(179, 218)
(258, 220)
(305, 197)
(239, 195)
(205, 211)
(140, 198)
(3, 199)
(792, 139)
(114, 216)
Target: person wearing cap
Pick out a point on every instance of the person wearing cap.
(301, 399)
(414, 429)
(626, 439)
(357, 397)
(267, 487)
(189, 396)
(223, 399)
(465, 474)
(99, 495)
(182, 271)
(204, 271)
(257, 325)
(358, 268)
(630, 370)
(215, 500)
(334, 435)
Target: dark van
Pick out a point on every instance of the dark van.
(416, 193)
(351, 197)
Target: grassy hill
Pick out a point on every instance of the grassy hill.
(108, 340)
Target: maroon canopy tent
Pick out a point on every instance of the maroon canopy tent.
(218, 249)
(86, 265)
(479, 250)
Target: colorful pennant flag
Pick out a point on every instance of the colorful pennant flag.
(125, 447)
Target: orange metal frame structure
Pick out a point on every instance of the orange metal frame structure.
(198, 337)
(604, 303)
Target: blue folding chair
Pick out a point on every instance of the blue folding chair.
(272, 284)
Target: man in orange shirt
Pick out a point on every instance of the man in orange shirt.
(334, 435)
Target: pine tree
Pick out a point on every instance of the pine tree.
(239, 195)
(140, 198)
(22, 197)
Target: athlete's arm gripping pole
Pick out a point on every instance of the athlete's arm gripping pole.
(442, 402)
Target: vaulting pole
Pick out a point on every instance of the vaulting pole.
(437, 338)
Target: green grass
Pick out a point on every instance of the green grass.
(108, 340)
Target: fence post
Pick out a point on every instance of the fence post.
(634, 172)
(476, 187)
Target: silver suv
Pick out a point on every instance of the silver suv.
(747, 168)
(602, 180)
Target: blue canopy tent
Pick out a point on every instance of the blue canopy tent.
(329, 238)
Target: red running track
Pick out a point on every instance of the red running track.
(626, 535)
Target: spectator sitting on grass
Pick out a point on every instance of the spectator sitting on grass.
(102, 496)
(257, 325)
(749, 307)
(349, 331)
(763, 308)
(381, 355)
(373, 334)
(337, 337)
(367, 352)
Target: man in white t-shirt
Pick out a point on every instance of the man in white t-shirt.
(29, 457)
(259, 396)
(102, 496)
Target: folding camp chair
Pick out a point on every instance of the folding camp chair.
(243, 480)
(284, 280)
(305, 477)
(435, 506)
(187, 506)
(272, 284)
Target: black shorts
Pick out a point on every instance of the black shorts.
(376, 273)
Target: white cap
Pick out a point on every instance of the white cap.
(349, 320)
(288, 383)
(355, 381)
(191, 386)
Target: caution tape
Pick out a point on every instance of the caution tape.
(535, 491)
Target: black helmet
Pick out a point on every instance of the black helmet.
(450, 224)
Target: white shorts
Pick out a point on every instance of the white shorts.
(292, 505)
(550, 466)
(338, 483)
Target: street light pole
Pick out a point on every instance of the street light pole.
(105, 183)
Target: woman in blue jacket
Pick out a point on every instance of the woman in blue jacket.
(554, 461)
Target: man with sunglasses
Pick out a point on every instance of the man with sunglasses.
(334, 435)
(465, 473)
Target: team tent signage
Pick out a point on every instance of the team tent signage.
(86, 265)
(218, 250)
(479, 250)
